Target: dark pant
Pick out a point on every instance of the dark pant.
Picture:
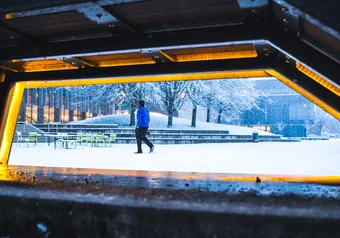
(141, 136)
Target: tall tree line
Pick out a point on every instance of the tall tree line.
(228, 97)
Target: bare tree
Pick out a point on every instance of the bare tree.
(280, 126)
(133, 92)
(324, 122)
(130, 94)
(195, 92)
(172, 97)
(308, 125)
(227, 96)
(91, 97)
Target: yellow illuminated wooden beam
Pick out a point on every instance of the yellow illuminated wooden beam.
(317, 78)
(304, 93)
(2, 77)
(9, 120)
(46, 65)
(125, 62)
(213, 56)
(149, 78)
(167, 55)
(211, 53)
(8, 68)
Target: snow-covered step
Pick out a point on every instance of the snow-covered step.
(201, 140)
(68, 125)
(158, 135)
(104, 128)
(194, 135)
(78, 130)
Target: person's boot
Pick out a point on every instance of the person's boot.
(152, 148)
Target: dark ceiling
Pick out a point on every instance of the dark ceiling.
(85, 36)
(32, 30)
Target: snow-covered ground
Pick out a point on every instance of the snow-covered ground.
(298, 158)
(160, 121)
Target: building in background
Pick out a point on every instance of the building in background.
(58, 105)
(281, 110)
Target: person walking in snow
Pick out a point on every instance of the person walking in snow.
(143, 120)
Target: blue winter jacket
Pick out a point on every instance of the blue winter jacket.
(143, 117)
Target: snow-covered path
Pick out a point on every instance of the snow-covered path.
(304, 158)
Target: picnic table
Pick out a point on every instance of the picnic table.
(63, 138)
(88, 138)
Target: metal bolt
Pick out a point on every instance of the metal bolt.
(156, 56)
(148, 51)
(99, 15)
(112, 25)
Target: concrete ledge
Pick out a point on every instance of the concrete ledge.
(81, 215)
(201, 140)
(187, 140)
(62, 202)
(310, 138)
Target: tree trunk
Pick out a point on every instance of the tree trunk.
(208, 115)
(57, 114)
(219, 118)
(82, 115)
(194, 116)
(40, 114)
(319, 126)
(170, 119)
(105, 109)
(132, 115)
(70, 115)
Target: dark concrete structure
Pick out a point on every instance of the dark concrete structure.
(62, 40)
(73, 203)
